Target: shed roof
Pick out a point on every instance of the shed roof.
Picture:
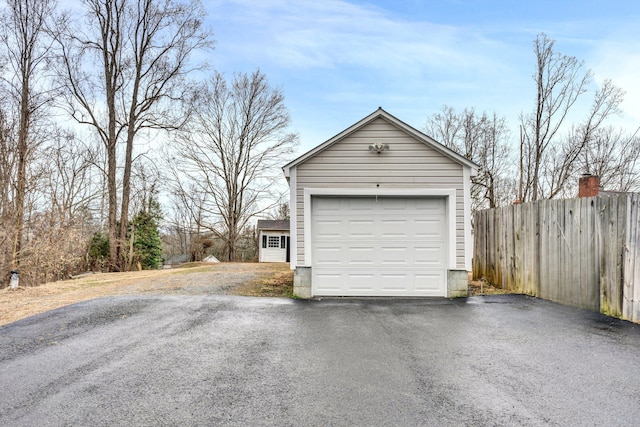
(380, 113)
(273, 224)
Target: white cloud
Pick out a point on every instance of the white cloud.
(619, 60)
(338, 61)
(305, 35)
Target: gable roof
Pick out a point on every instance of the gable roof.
(273, 224)
(380, 113)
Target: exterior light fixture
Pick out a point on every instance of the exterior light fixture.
(378, 147)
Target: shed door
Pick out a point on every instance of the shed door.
(385, 246)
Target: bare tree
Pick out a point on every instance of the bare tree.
(187, 214)
(124, 72)
(238, 139)
(24, 37)
(549, 156)
(484, 140)
(280, 212)
(69, 178)
(613, 156)
(564, 159)
(7, 164)
(179, 229)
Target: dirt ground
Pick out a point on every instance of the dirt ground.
(482, 287)
(252, 279)
(249, 279)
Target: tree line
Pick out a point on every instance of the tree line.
(545, 156)
(103, 107)
(109, 110)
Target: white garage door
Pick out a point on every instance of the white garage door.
(367, 246)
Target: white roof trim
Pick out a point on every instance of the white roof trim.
(380, 113)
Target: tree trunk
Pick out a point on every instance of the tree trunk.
(112, 184)
(21, 179)
(128, 161)
(113, 208)
(126, 189)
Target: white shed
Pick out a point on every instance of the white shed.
(273, 240)
(381, 209)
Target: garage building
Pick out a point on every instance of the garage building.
(380, 209)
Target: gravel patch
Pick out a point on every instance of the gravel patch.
(203, 279)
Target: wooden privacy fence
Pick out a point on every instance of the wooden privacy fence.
(580, 252)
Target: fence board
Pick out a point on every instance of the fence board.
(533, 246)
(589, 254)
(610, 290)
(607, 237)
(634, 248)
(543, 284)
(581, 252)
(631, 271)
(627, 304)
(566, 289)
(618, 251)
(518, 249)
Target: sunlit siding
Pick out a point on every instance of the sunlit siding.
(408, 163)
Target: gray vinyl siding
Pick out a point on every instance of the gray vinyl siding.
(408, 163)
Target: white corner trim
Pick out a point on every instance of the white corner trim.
(448, 194)
(468, 249)
(306, 226)
(293, 219)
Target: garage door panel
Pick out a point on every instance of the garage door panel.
(358, 280)
(360, 255)
(393, 206)
(430, 256)
(428, 229)
(361, 235)
(394, 228)
(328, 283)
(394, 280)
(379, 253)
(329, 205)
(325, 228)
(428, 283)
(360, 283)
(388, 246)
(394, 255)
(359, 205)
(378, 284)
(361, 224)
(427, 205)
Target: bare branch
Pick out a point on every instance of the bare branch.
(234, 145)
(550, 158)
(121, 70)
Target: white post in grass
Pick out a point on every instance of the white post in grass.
(15, 279)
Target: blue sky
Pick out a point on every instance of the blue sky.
(338, 60)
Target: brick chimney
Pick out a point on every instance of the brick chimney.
(588, 185)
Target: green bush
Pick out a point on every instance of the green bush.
(147, 245)
(98, 251)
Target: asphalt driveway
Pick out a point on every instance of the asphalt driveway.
(224, 360)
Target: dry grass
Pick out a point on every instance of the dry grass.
(482, 287)
(277, 284)
(249, 279)
(266, 280)
(24, 302)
